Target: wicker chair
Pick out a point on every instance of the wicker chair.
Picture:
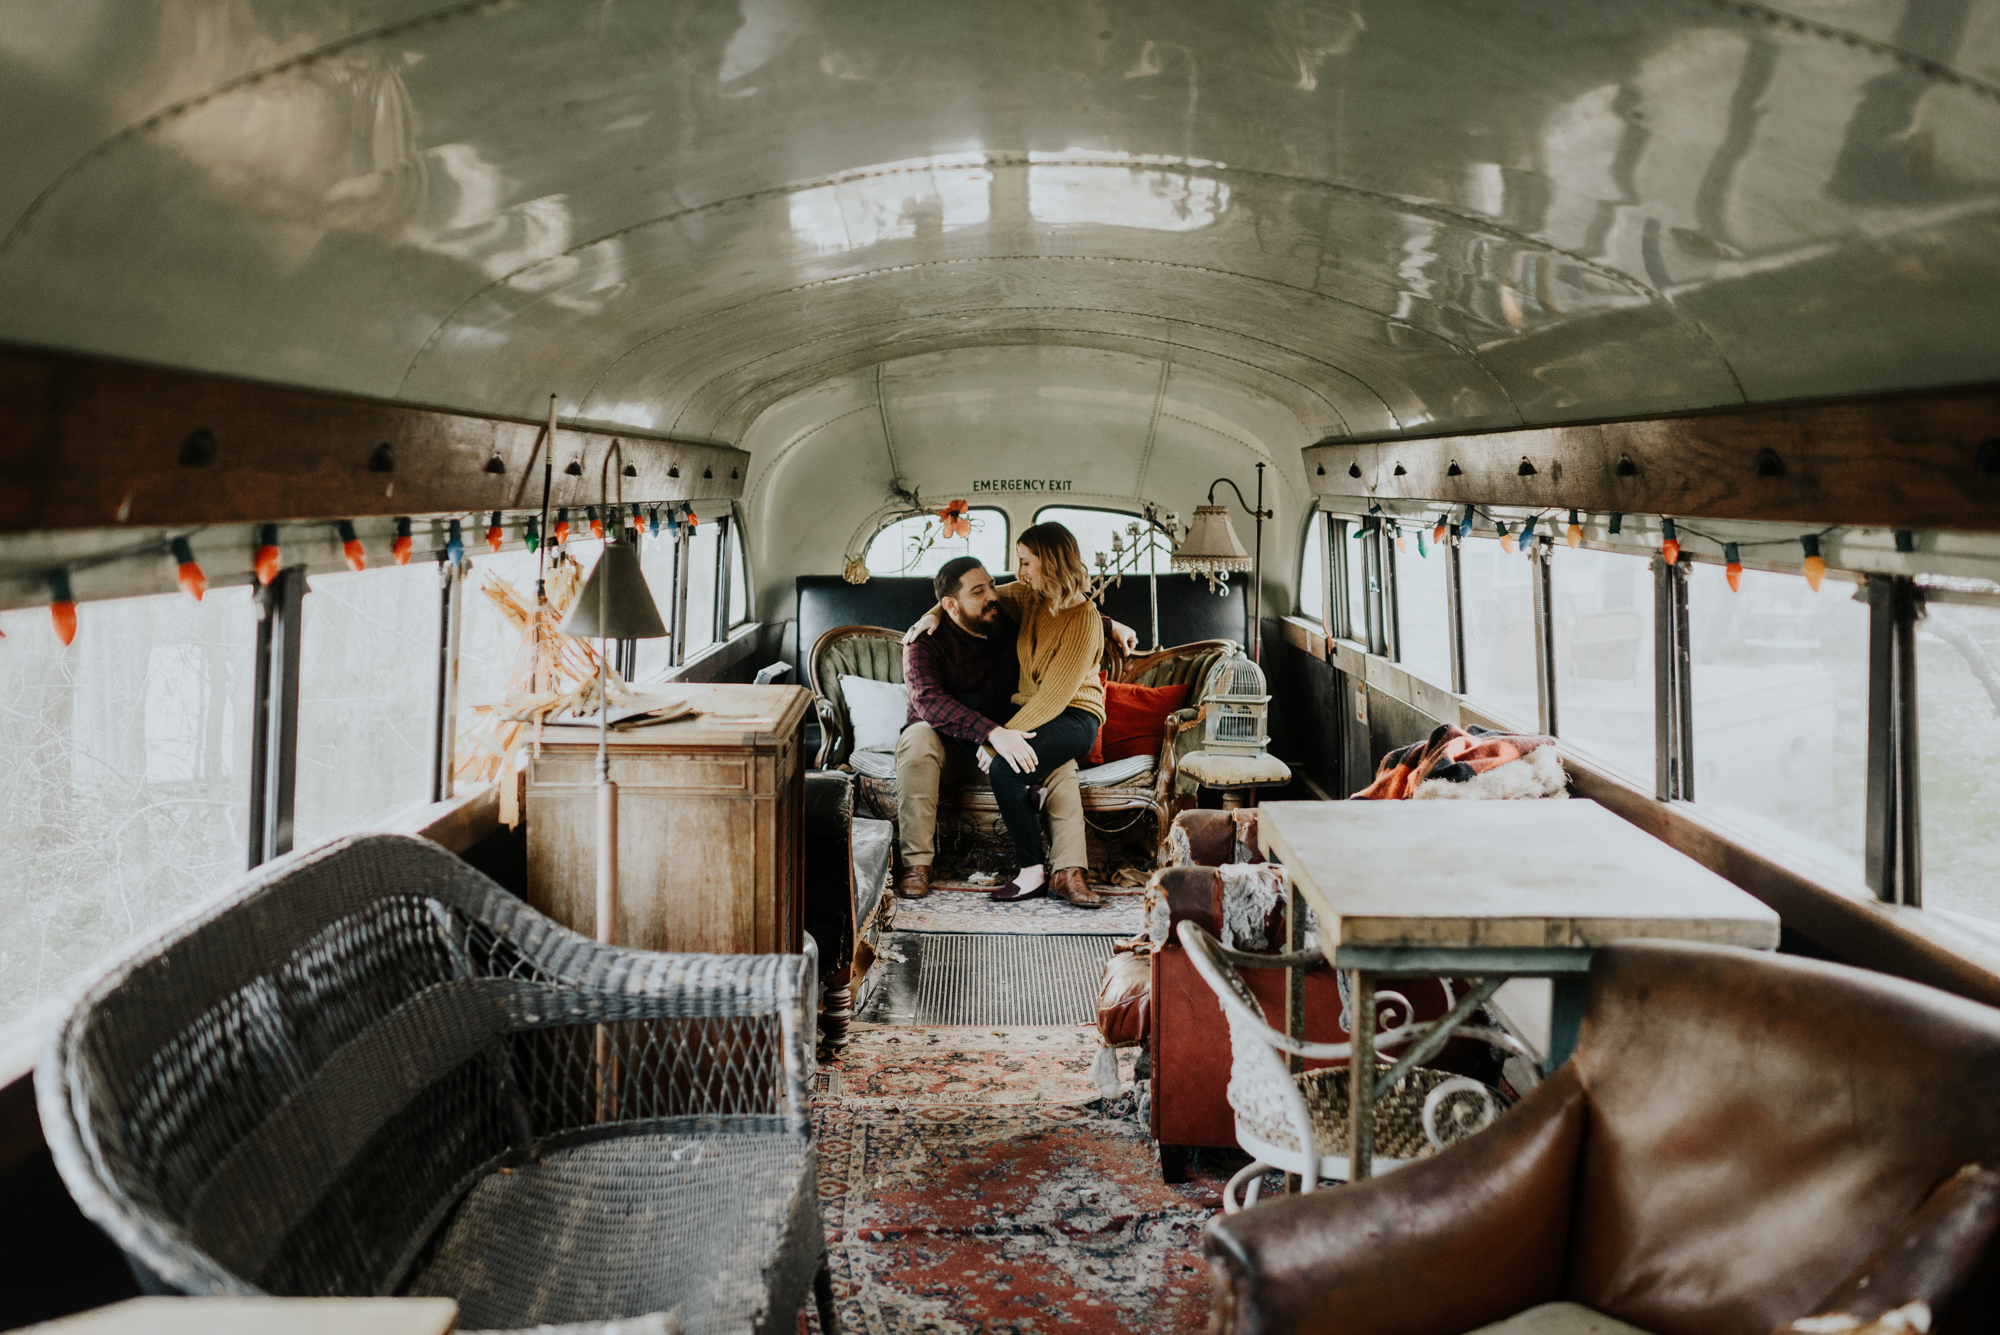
(369, 1070)
(876, 653)
(1278, 1111)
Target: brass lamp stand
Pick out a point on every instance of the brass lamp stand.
(615, 604)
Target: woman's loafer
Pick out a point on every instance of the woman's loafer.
(1012, 893)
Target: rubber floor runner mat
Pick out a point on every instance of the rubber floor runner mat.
(997, 980)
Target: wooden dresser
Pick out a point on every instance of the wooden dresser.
(709, 812)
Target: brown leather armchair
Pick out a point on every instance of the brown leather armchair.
(1735, 1134)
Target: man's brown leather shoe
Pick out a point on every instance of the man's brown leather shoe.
(914, 883)
(1069, 884)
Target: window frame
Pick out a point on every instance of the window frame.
(1893, 861)
(889, 522)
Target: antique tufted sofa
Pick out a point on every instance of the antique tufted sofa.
(876, 652)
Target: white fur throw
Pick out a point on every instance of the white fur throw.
(1537, 774)
(1250, 891)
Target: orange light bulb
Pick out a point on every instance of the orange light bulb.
(350, 547)
(494, 537)
(1815, 564)
(266, 560)
(1575, 532)
(188, 573)
(1437, 534)
(1670, 544)
(62, 606)
(1732, 567)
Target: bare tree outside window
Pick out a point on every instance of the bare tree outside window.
(124, 788)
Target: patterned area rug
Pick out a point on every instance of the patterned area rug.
(968, 909)
(904, 1066)
(974, 1183)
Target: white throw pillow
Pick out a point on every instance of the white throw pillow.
(877, 710)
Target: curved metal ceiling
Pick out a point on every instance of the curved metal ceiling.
(1386, 218)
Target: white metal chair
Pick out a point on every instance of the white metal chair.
(1278, 1112)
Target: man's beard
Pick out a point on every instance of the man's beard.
(988, 619)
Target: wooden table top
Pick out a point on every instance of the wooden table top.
(732, 715)
(1499, 874)
(261, 1316)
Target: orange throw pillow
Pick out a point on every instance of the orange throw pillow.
(1135, 720)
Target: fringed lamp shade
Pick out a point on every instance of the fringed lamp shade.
(1211, 546)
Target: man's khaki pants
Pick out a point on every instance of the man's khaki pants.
(928, 764)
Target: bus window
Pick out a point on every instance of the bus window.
(1312, 570)
(704, 552)
(1094, 530)
(894, 550)
(1602, 604)
(739, 579)
(368, 671)
(1780, 677)
(1498, 599)
(1421, 612)
(124, 777)
(1958, 729)
(1353, 570)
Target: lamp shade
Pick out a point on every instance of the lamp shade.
(1211, 545)
(618, 586)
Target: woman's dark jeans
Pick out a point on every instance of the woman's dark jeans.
(1066, 737)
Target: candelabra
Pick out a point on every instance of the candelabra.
(1140, 542)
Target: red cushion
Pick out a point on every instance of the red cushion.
(1135, 720)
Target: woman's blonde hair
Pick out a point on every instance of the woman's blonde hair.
(1062, 563)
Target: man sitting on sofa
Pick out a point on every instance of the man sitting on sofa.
(972, 657)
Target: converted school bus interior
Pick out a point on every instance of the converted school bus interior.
(1596, 405)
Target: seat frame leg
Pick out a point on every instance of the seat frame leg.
(1174, 1161)
(829, 1320)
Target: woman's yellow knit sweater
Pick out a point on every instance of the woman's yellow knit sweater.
(1059, 653)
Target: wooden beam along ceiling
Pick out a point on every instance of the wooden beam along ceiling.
(96, 444)
(1919, 461)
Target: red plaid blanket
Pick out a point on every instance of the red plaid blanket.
(1452, 753)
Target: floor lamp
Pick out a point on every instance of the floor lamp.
(615, 604)
(1212, 548)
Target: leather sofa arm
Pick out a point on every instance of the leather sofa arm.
(1922, 1268)
(1439, 1247)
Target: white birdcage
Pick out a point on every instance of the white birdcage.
(1238, 708)
(1232, 757)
